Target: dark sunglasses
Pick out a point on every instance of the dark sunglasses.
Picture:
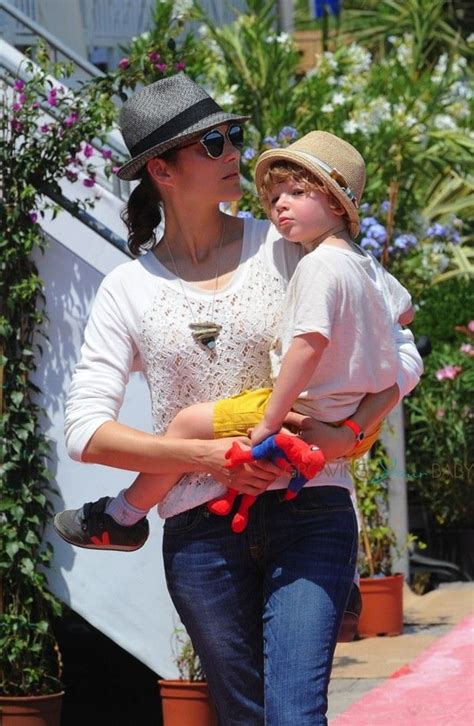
(214, 141)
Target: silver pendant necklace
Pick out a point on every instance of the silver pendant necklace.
(208, 331)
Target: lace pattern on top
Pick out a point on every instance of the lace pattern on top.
(181, 372)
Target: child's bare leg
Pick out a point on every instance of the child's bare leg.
(194, 422)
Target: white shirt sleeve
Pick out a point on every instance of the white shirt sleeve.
(410, 364)
(98, 384)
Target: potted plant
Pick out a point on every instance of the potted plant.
(381, 589)
(186, 700)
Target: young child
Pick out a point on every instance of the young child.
(336, 343)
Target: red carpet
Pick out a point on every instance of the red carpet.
(436, 688)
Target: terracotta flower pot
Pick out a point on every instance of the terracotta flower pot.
(186, 703)
(31, 710)
(382, 606)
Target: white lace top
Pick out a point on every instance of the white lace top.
(139, 322)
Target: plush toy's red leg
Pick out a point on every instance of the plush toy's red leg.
(223, 505)
(241, 517)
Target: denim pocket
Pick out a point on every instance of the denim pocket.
(184, 521)
(321, 499)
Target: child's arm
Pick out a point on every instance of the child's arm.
(298, 365)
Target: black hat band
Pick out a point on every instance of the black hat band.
(176, 125)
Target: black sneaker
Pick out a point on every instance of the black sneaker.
(90, 527)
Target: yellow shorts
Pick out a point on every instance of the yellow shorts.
(234, 416)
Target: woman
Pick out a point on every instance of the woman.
(197, 314)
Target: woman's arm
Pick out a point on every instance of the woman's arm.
(123, 447)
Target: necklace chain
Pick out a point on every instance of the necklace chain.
(207, 331)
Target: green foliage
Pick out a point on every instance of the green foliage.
(42, 130)
(371, 476)
(186, 658)
(440, 411)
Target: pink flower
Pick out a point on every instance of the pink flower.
(154, 56)
(180, 66)
(19, 85)
(106, 153)
(89, 182)
(45, 129)
(124, 63)
(448, 373)
(36, 104)
(16, 126)
(470, 326)
(71, 175)
(52, 100)
(21, 98)
(468, 349)
(71, 119)
(115, 169)
(33, 216)
(440, 413)
(17, 107)
(88, 151)
(161, 67)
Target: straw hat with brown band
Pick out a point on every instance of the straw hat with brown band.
(332, 160)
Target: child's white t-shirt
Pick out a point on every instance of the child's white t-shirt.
(350, 299)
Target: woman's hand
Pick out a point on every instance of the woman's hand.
(253, 478)
(333, 442)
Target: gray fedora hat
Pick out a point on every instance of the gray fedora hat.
(164, 115)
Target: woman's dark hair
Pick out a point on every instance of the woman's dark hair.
(142, 214)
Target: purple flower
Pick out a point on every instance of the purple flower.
(33, 216)
(248, 154)
(364, 207)
(368, 243)
(89, 182)
(45, 129)
(436, 230)
(378, 232)
(180, 66)
(124, 63)
(287, 133)
(36, 104)
(88, 151)
(71, 175)
(52, 97)
(17, 107)
(404, 241)
(448, 373)
(16, 126)
(161, 67)
(455, 237)
(71, 119)
(106, 153)
(154, 56)
(270, 141)
(385, 206)
(19, 85)
(367, 222)
(115, 169)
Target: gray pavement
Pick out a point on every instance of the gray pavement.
(364, 664)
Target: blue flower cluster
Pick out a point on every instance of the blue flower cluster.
(444, 233)
(284, 137)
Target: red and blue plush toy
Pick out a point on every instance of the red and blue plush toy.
(289, 453)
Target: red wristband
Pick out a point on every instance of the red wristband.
(359, 434)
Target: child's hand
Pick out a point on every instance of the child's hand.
(261, 432)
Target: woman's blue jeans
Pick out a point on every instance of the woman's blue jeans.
(263, 608)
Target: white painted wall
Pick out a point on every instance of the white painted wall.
(122, 594)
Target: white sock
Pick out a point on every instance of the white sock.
(124, 513)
